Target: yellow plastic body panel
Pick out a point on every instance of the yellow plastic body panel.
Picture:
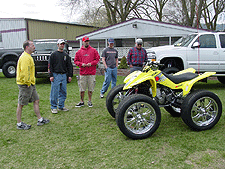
(139, 77)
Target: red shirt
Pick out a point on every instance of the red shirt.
(87, 55)
(136, 57)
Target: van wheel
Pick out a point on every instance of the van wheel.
(9, 69)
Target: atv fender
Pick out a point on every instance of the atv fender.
(185, 71)
(145, 77)
(188, 85)
(132, 75)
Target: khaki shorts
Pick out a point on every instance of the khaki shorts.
(27, 94)
(86, 81)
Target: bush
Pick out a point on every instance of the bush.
(123, 63)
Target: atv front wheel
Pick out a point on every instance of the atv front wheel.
(201, 110)
(138, 116)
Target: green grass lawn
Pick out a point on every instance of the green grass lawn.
(89, 137)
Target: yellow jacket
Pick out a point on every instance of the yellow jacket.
(25, 73)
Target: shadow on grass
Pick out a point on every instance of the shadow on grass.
(43, 80)
(214, 85)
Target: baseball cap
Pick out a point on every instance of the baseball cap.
(139, 41)
(85, 38)
(111, 40)
(60, 41)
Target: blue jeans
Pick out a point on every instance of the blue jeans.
(110, 75)
(58, 91)
(135, 68)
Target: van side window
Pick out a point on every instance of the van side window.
(222, 40)
(207, 41)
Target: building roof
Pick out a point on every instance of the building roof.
(141, 28)
(68, 23)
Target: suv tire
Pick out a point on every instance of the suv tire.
(9, 69)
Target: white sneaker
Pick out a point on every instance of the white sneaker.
(54, 111)
(64, 109)
(101, 95)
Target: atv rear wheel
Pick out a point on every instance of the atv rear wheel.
(113, 99)
(201, 110)
(221, 79)
(138, 116)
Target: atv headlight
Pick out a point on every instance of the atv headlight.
(151, 55)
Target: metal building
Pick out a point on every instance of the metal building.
(153, 33)
(14, 31)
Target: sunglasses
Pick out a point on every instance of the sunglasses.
(139, 44)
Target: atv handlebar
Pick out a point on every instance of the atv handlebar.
(152, 64)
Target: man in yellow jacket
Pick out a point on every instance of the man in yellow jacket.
(25, 79)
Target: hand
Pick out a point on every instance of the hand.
(51, 79)
(131, 66)
(69, 79)
(89, 64)
(84, 65)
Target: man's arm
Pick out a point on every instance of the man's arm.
(129, 58)
(104, 63)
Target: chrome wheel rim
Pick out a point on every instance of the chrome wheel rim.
(117, 99)
(204, 111)
(11, 69)
(140, 117)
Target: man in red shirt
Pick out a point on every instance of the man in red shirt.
(87, 59)
(136, 56)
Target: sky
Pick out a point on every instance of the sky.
(36, 9)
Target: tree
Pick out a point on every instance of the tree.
(182, 12)
(151, 9)
(211, 11)
(94, 17)
(185, 12)
(116, 10)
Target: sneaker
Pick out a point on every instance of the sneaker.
(101, 95)
(64, 109)
(90, 104)
(80, 104)
(44, 121)
(24, 126)
(54, 111)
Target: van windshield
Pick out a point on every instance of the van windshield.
(185, 41)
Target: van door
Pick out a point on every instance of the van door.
(205, 57)
(221, 50)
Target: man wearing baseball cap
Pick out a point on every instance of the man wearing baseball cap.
(60, 69)
(87, 59)
(136, 56)
(110, 62)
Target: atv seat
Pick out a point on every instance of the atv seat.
(181, 78)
